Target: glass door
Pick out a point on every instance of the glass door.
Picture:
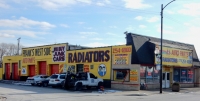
(165, 80)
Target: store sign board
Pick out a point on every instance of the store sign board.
(176, 57)
(89, 55)
(121, 54)
(122, 49)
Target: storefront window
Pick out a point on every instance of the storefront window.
(177, 75)
(121, 75)
(149, 74)
(156, 75)
(143, 74)
(183, 75)
(190, 75)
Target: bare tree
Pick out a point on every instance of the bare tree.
(8, 49)
(3, 50)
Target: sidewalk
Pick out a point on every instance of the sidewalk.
(157, 91)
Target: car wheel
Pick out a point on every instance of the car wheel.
(53, 86)
(99, 85)
(32, 84)
(78, 86)
(45, 84)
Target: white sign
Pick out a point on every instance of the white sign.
(23, 71)
(59, 54)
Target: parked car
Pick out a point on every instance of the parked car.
(35, 79)
(56, 80)
(82, 80)
(43, 82)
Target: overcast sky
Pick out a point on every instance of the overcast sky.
(96, 22)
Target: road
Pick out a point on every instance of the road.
(31, 93)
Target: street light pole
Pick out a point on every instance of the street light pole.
(161, 43)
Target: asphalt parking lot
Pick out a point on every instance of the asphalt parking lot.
(24, 92)
(15, 92)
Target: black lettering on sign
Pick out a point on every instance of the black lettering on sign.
(28, 53)
(58, 53)
(39, 52)
(91, 56)
(47, 51)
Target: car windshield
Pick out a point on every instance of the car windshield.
(36, 76)
(54, 76)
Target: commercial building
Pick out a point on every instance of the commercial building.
(47, 59)
(180, 61)
(121, 67)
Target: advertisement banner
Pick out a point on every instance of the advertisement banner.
(121, 54)
(121, 58)
(134, 75)
(175, 57)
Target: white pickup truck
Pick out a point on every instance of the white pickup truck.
(82, 79)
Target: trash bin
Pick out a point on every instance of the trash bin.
(175, 87)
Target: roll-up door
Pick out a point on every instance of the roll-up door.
(15, 71)
(54, 69)
(42, 67)
(31, 70)
(7, 71)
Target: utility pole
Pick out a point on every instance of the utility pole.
(18, 46)
(161, 43)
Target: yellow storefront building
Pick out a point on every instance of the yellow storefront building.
(177, 67)
(94, 60)
(47, 60)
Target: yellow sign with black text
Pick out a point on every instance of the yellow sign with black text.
(121, 54)
(175, 57)
(96, 61)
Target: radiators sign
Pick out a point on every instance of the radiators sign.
(89, 56)
(176, 57)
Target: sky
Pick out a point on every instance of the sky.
(97, 23)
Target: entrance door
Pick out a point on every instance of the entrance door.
(165, 80)
(79, 68)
